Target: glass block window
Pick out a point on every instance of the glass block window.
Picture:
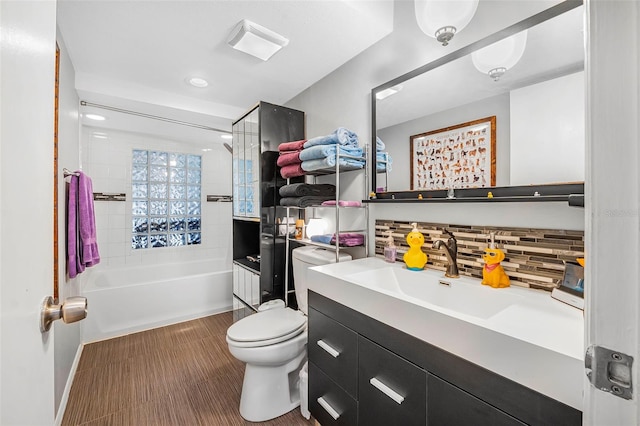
(166, 202)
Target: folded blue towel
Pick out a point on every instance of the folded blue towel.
(383, 162)
(379, 144)
(326, 239)
(383, 156)
(340, 136)
(322, 151)
(329, 162)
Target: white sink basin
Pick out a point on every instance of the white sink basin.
(461, 295)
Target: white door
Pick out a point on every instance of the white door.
(27, 64)
(612, 224)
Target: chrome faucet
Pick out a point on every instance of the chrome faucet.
(451, 252)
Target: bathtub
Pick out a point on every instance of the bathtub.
(126, 300)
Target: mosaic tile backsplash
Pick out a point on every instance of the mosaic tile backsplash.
(534, 257)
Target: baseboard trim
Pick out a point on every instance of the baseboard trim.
(67, 388)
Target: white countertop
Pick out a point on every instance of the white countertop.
(537, 342)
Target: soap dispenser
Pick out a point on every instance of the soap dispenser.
(415, 258)
(493, 274)
(390, 249)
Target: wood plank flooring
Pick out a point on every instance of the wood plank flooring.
(182, 374)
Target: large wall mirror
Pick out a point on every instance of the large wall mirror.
(538, 104)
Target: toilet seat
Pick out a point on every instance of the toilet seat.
(267, 328)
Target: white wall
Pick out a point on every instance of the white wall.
(27, 61)
(548, 131)
(343, 99)
(67, 339)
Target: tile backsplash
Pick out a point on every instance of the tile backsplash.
(534, 257)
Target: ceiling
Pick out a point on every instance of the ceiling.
(136, 55)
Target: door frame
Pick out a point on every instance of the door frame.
(612, 226)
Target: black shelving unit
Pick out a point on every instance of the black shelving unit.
(258, 251)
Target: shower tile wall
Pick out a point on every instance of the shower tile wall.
(108, 162)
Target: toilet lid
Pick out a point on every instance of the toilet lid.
(267, 325)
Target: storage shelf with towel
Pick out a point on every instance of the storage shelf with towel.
(343, 155)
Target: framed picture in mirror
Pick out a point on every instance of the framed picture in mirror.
(458, 156)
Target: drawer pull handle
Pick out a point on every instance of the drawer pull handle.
(331, 351)
(328, 408)
(386, 390)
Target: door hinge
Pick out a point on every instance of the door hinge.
(609, 371)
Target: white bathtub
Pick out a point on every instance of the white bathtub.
(126, 300)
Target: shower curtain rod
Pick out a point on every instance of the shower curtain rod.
(153, 117)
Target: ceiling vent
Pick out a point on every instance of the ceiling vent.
(256, 40)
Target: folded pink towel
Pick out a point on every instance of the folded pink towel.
(291, 146)
(342, 203)
(349, 239)
(288, 158)
(291, 170)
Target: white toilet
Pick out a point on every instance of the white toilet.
(273, 343)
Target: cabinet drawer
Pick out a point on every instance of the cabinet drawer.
(448, 405)
(392, 391)
(334, 349)
(328, 402)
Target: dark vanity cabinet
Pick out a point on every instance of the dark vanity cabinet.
(363, 372)
(258, 250)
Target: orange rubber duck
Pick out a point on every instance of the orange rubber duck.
(493, 273)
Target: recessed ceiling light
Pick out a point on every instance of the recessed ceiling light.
(198, 82)
(226, 136)
(388, 92)
(206, 149)
(95, 117)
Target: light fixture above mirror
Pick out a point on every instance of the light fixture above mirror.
(442, 19)
(497, 58)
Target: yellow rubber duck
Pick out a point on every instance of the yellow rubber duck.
(493, 273)
(415, 258)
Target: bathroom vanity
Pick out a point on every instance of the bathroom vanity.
(392, 346)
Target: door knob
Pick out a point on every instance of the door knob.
(71, 310)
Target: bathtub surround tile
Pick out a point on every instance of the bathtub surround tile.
(116, 261)
(116, 157)
(181, 374)
(534, 257)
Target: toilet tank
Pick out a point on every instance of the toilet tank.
(305, 258)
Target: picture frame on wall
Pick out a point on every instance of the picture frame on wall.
(458, 156)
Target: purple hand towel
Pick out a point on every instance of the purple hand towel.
(82, 246)
(74, 267)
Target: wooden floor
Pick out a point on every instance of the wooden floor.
(177, 375)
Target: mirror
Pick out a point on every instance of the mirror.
(538, 105)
